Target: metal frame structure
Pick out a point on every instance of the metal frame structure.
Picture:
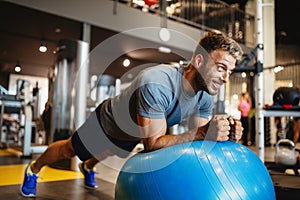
(26, 146)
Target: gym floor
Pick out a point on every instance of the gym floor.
(59, 184)
(53, 183)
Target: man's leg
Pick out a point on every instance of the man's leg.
(87, 168)
(91, 163)
(56, 151)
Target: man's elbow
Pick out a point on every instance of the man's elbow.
(149, 145)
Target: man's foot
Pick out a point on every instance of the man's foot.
(89, 176)
(28, 187)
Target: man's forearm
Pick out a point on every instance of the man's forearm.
(169, 140)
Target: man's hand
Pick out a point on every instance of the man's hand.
(236, 129)
(222, 128)
(218, 129)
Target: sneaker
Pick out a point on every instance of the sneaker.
(89, 177)
(28, 187)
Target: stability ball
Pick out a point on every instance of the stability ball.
(195, 170)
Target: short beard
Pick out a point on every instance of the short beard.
(200, 82)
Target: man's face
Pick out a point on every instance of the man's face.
(217, 70)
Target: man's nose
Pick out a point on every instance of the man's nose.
(225, 76)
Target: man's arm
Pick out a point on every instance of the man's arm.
(154, 132)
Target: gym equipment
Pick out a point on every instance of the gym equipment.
(61, 97)
(25, 139)
(151, 2)
(68, 91)
(105, 88)
(286, 95)
(195, 170)
(285, 153)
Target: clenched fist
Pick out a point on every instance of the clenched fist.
(222, 128)
(236, 129)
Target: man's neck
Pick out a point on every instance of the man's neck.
(190, 83)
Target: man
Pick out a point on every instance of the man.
(157, 99)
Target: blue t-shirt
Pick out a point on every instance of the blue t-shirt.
(157, 92)
(161, 95)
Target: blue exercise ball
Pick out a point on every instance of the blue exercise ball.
(195, 170)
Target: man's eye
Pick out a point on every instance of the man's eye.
(221, 68)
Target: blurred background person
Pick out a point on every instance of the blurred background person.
(296, 129)
(245, 105)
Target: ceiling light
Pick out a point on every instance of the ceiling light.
(43, 47)
(57, 30)
(164, 49)
(126, 62)
(278, 69)
(164, 34)
(18, 68)
(244, 75)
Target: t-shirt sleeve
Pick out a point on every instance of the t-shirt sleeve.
(153, 99)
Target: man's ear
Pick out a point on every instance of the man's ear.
(198, 61)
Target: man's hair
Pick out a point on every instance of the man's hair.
(218, 41)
